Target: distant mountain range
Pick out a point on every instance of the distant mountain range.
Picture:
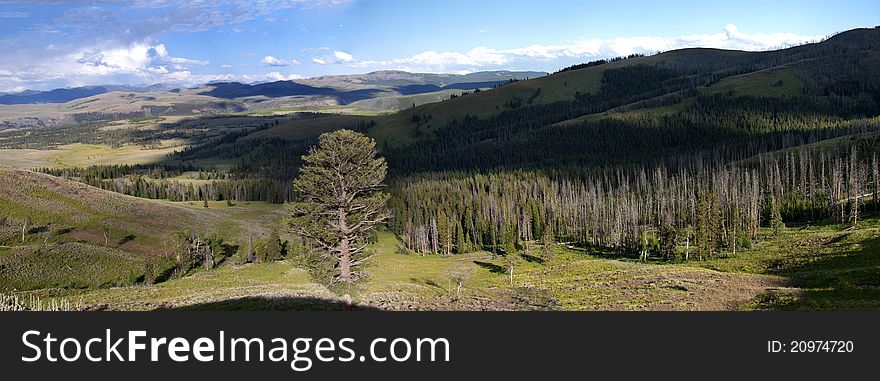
(69, 94)
(344, 88)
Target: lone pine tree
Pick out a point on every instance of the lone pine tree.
(340, 203)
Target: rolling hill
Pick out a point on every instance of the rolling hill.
(52, 108)
(58, 210)
(67, 95)
(845, 65)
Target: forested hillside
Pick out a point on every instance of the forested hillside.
(694, 147)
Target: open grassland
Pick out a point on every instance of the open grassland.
(802, 268)
(234, 220)
(83, 155)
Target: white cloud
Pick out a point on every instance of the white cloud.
(98, 61)
(177, 76)
(225, 66)
(158, 70)
(276, 76)
(343, 56)
(161, 50)
(13, 14)
(272, 61)
(186, 77)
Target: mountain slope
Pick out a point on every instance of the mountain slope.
(848, 60)
(676, 103)
(53, 209)
(52, 96)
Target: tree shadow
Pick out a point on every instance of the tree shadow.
(38, 229)
(63, 231)
(836, 239)
(263, 303)
(496, 269)
(842, 280)
(126, 239)
(532, 259)
(165, 275)
(427, 282)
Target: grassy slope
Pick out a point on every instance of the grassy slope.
(833, 268)
(61, 208)
(760, 83)
(395, 128)
(65, 222)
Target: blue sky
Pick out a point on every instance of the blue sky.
(50, 44)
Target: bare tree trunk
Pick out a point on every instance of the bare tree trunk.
(250, 249)
(344, 263)
(344, 253)
(687, 247)
(209, 258)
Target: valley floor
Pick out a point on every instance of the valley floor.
(811, 267)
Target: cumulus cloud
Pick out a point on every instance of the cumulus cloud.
(319, 61)
(272, 61)
(343, 56)
(141, 62)
(103, 42)
(276, 76)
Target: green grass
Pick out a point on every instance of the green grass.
(832, 268)
(789, 271)
(79, 236)
(233, 220)
(72, 265)
(761, 83)
(210, 289)
(83, 155)
(816, 267)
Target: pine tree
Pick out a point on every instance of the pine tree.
(340, 200)
(548, 244)
(667, 241)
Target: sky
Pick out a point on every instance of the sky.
(52, 43)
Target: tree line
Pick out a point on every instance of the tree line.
(636, 209)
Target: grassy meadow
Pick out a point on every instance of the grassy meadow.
(819, 267)
(89, 248)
